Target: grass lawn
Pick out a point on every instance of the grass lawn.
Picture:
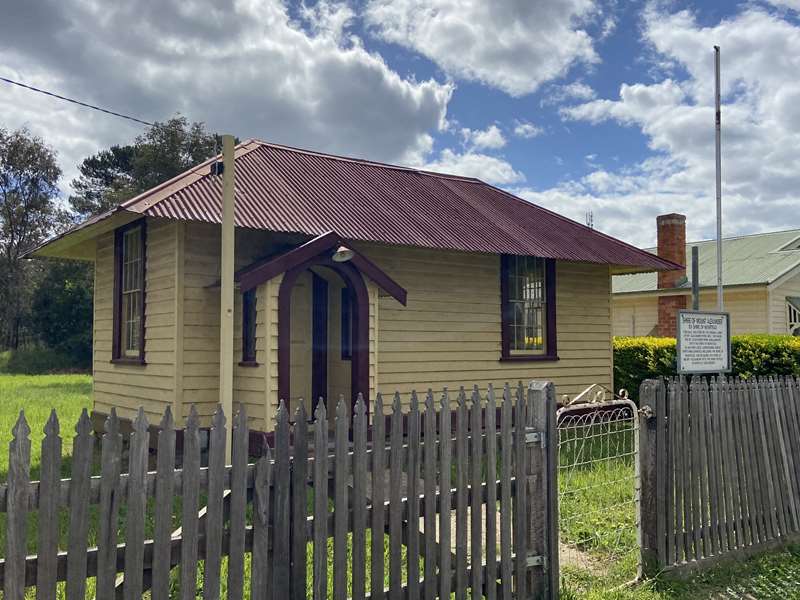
(38, 395)
(610, 540)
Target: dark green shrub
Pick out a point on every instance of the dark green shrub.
(640, 358)
(37, 361)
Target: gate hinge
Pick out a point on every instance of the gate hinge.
(533, 437)
(537, 560)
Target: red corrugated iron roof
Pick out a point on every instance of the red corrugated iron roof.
(297, 191)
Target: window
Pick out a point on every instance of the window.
(793, 315)
(346, 324)
(249, 327)
(528, 312)
(129, 292)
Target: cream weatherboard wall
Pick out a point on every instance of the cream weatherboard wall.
(748, 309)
(638, 314)
(201, 333)
(153, 385)
(635, 316)
(449, 333)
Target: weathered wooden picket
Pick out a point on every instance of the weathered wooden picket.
(463, 509)
(720, 469)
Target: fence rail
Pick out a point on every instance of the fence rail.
(454, 495)
(720, 468)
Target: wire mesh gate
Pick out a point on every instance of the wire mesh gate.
(599, 493)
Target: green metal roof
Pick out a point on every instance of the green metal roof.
(747, 260)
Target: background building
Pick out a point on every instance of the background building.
(761, 274)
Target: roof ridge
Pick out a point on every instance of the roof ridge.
(179, 180)
(653, 249)
(746, 235)
(364, 161)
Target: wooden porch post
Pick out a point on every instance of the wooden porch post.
(226, 287)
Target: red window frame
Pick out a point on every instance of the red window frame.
(117, 353)
(551, 337)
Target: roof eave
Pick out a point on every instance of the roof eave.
(71, 243)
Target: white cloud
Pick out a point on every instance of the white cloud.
(793, 4)
(761, 131)
(328, 18)
(490, 138)
(513, 46)
(247, 69)
(557, 94)
(490, 169)
(526, 129)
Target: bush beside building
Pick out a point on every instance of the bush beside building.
(640, 358)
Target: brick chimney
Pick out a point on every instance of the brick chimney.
(671, 246)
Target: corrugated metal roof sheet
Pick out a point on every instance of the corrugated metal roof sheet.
(296, 191)
(746, 260)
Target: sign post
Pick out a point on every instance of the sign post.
(704, 342)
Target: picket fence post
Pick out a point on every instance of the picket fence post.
(650, 420)
(542, 489)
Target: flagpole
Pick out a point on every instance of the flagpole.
(718, 132)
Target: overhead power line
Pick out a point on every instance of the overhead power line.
(73, 101)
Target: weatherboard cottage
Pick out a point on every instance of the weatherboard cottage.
(352, 276)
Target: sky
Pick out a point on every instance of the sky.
(601, 106)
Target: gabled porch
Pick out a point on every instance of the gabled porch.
(325, 346)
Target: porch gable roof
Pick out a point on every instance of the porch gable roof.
(260, 271)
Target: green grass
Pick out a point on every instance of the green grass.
(38, 395)
(772, 576)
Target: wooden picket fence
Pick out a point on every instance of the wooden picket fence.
(720, 469)
(462, 492)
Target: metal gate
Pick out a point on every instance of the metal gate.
(599, 494)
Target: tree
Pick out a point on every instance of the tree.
(105, 181)
(121, 172)
(28, 213)
(61, 315)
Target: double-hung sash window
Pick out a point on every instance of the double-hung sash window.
(129, 292)
(528, 308)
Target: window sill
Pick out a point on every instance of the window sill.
(248, 363)
(128, 361)
(530, 358)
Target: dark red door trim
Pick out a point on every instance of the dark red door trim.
(359, 365)
(260, 271)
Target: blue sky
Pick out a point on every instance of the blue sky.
(578, 105)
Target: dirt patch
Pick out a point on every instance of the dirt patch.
(570, 556)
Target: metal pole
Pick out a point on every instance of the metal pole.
(695, 279)
(718, 128)
(226, 297)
